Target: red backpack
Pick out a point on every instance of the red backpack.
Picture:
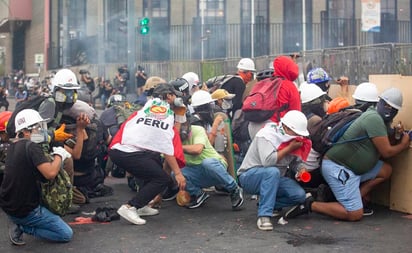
(261, 103)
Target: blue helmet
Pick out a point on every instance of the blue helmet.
(317, 75)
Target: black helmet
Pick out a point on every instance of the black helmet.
(181, 85)
(165, 88)
(116, 99)
(267, 73)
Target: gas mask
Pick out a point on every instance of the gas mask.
(39, 133)
(66, 96)
(227, 104)
(185, 131)
(386, 111)
(206, 113)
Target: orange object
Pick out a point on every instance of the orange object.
(336, 104)
(305, 176)
(182, 198)
(4, 119)
(236, 147)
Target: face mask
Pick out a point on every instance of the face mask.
(227, 104)
(68, 96)
(178, 102)
(246, 76)
(386, 111)
(39, 135)
(324, 86)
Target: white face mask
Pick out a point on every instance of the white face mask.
(227, 104)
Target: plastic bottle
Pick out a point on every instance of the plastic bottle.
(398, 131)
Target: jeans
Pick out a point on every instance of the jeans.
(275, 191)
(210, 172)
(146, 166)
(44, 224)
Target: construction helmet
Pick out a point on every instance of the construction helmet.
(267, 73)
(201, 97)
(4, 119)
(317, 75)
(296, 121)
(336, 104)
(192, 78)
(65, 79)
(310, 92)
(181, 85)
(152, 83)
(393, 97)
(366, 92)
(246, 64)
(27, 118)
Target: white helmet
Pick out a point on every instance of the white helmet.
(366, 92)
(65, 79)
(296, 121)
(246, 64)
(26, 118)
(192, 78)
(201, 97)
(393, 97)
(310, 92)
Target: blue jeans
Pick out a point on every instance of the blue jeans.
(44, 224)
(210, 172)
(275, 191)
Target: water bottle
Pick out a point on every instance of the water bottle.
(220, 142)
(398, 131)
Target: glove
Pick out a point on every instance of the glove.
(61, 152)
(60, 135)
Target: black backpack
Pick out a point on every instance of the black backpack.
(330, 129)
(32, 103)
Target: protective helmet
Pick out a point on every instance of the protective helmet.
(27, 118)
(152, 83)
(366, 92)
(65, 79)
(201, 97)
(296, 121)
(246, 64)
(181, 85)
(4, 119)
(192, 78)
(336, 104)
(310, 92)
(116, 99)
(267, 73)
(222, 94)
(165, 88)
(317, 75)
(393, 97)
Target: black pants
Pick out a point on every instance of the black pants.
(146, 166)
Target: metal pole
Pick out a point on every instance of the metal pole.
(131, 42)
(303, 25)
(202, 17)
(252, 23)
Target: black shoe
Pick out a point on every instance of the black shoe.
(170, 194)
(324, 193)
(236, 197)
(16, 235)
(221, 190)
(300, 209)
(73, 209)
(198, 201)
(367, 211)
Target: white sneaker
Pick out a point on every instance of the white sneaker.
(147, 211)
(264, 223)
(129, 213)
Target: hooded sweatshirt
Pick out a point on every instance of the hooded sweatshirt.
(288, 93)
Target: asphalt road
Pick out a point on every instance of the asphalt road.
(216, 228)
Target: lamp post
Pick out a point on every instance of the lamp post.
(202, 34)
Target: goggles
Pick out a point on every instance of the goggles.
(65, 96)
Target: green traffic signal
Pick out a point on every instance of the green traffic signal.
(144, 30)
(144, 25)
(144, 21)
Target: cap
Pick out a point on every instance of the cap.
(165, 88)
(222, 94)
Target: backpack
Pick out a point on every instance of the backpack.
(32, 103)
(217, 82)
(327, 132)
(260, 104)
(56, 194)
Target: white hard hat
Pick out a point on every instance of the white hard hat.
(65, 79)
(201, 97)
(246, 64)
(366, 92)
(26, 118)
(310, 92)
(393, 97)
(192, 78)
(296, 121)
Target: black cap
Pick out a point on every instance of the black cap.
(165, 88)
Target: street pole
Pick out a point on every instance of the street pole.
(202, 34)
(303, 25)
(252, 24)
(131, 46)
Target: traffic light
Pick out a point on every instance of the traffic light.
(144, 26)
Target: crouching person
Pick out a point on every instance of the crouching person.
(205, 167)
(274, 147)
(20, 194)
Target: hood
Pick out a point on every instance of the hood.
(286, 67)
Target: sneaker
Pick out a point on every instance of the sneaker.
(236, 197)
(170, 194)
(300, 209)
(220, 190)
(264, 223)
(367, 211)
(16, 235)
(147, 211)
(277, 213)
(129, 213)
(73, 209)
(198, 201)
